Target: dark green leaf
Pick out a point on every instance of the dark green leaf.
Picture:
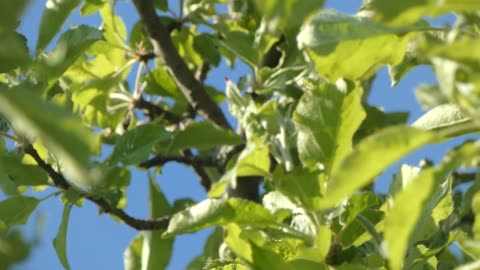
(214, 212)
(55, 14)
(203, 135)
(10, 14)
(137, 144)
(60, 241)
(13, 51)
(326, 120)
(210, 250)
(205, 45)
(20, 172)
(371, 157)
(16, 211)
(161, 4)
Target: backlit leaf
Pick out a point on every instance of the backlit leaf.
(60, 241)
(370, 157)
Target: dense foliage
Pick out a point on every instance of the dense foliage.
(91, 104)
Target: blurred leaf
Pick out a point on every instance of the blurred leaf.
(410, 11)
(331, 37)
(14, 249)
(13, 51)
(132, 256)
(89, 7)
(16, 211)
(364, 163)
(139, 38)
(156, 252)
(66, 137)
(60, 241)
(21, 173)
(136, 145)
(71, 45)
(326, 120)
(397, 72)
(54, 16)
(416, 202)
(287, 15)
(214, 212)
(430, 96)
(203, 135)
(10, 15)
(161, 4)
(210, 250)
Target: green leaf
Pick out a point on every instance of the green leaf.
(55, 14)
(376, 120)
(71, 45)
(20, 172)
(326, 120)
(161, 4)
(156, 251)
(210, 250)
(441, 117)
(10, 15)
(254, 160)
(60, 241)
(16, 211)
(301, 185)
(265, 259)
(370, 157)
(416, 202)
(89, 7)
(132, 257)
(286, 15)
(240, 44)
(410, 11)
(203, 135)
(214, 212)
(66, 137)
(137, 144)
(205, 45)
(331, 37)
(13, 51)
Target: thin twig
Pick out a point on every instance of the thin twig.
(60, 182)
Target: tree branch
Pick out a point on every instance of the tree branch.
(60, 182)
(188, 160)
(153, 111)
(164, 48)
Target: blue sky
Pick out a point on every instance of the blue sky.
(98, 242)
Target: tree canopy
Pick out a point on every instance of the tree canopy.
(288, 154)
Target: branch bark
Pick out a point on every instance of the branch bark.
(61, 182)
(164, 48)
